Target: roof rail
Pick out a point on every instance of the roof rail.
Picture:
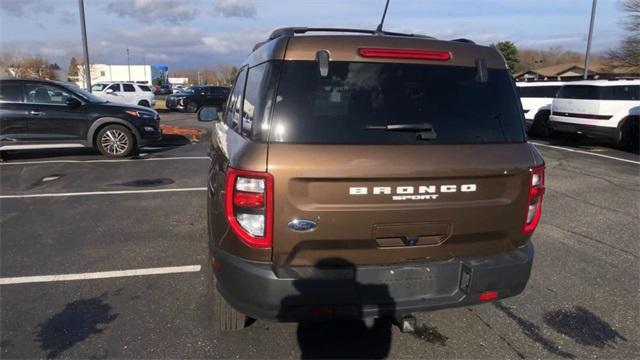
(291, 31)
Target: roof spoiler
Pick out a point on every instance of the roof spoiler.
(292, 31)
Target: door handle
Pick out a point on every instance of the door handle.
(36, 113)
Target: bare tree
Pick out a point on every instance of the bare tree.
(20, 65)
(534, 59)
(627, 54)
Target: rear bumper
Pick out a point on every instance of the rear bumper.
(294, 294)
(588, 130)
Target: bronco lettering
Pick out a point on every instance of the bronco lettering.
(424, 192)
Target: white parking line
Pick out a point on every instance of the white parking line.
(100, 275)
(102, 160)
(89, 193)
(585, 152)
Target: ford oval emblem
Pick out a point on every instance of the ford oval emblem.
(302, 225)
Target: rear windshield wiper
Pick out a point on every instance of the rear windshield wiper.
(401, 127)
(424, 131)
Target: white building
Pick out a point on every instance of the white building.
(178, 81)
(104, 72)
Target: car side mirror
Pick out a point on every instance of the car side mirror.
(73, 103)
(208, 114)
(109, 91)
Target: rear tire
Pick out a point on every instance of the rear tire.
(191, 107)
(226, 318)
(144, 103)
(115, 141)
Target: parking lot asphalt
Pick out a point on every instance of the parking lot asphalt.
(581, 302)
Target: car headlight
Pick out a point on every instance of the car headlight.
(140, 114)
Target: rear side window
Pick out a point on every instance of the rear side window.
(10, 92)
(128, 88)
(538, 91)
(144, 88)
(356, 101)
(625, 92)
(258, 99)
(234, 107)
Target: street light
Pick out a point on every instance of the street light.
(586, 57)
(85, 47)
(128, 64)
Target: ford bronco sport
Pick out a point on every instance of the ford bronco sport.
(369, 174)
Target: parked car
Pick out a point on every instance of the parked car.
(125, 93)
(536, 100)
(193, 97)
(39, 114)
(602, 109)
(391, 177)
(177, 89)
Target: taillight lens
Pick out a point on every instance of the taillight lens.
(534, 202)
(249, 206)
(414, 54)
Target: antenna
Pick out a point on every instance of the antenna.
(384, 14)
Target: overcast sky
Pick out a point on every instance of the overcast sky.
(193, 33)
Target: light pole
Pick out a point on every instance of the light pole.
(85, 47)
(586, 57)
(128, 64)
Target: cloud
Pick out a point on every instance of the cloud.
(69, 17)
(168, 11)
(235, 8)
(25, 7)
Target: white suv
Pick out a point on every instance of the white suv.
(600, 108)
(125, 93)
(536, 100)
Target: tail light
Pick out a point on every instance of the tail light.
(249, 206)
(414, 54)
(534, 202)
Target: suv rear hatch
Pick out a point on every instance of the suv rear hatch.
(396, 162)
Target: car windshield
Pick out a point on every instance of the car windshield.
(87, 95)
(99, 87)
(190, 90)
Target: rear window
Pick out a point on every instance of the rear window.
(144, 88)
(352, 103)
(10, 92)
(538, 91)
(590, 92)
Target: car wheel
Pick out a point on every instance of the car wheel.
(627, 135)
(192, 107)
(540, 125)
(115, 141)
(144, 103)
(226, 318)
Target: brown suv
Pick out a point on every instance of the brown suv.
(369, 174)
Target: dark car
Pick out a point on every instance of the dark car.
(193, 97)
(391, 177)
(39, 114)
